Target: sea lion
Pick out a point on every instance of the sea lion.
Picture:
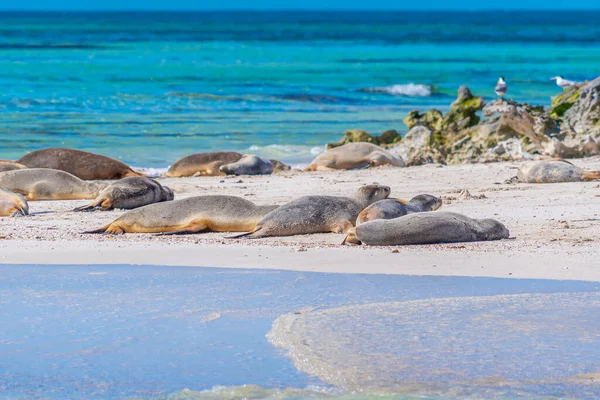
(192, 215)
(554, 171)
(84, 165)
(354, 155)
(393, 208)
(317, 214)
(429, 228)
(6, 165)
(12, 204)
(278, 166)
(248, 165)
(49, 184)
(129, 193)
(203, 164)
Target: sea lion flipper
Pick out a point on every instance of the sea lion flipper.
(196, 226)
(93, 206)
(591, 175)
(249, 235)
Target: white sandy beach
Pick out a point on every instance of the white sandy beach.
(555, 228)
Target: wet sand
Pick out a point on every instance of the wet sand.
(555, 228)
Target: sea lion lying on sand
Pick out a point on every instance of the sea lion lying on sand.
(203, 164)
(248, 165)
(354, 155)
(84, 165)
(12, 204)
(49, 184)
(554, 171)
(192, 215)
(6, 165)
(429, 228)
(317, 214)
(278, 166)
(129, 193)
(393, 208)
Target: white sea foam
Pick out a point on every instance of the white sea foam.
(151, 172)
(408, 89)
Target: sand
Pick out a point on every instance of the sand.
(555, 228)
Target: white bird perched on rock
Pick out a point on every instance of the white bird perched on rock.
(562, 82)
(501, 87)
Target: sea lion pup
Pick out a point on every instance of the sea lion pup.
(429, 228)
(49, 184)
(248, 165)
(278, 166)
(192, 215)
(12, 204)
(84, 165)
(129, 193)
(6, 165)
(317, 214)
(202, 164)
(394, 208)
(354, 155)
(554, 171)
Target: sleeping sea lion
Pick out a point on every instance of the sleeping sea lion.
(49, 184)
(554, 171)
(248, 165)
(353, 156)
(317, 214)
(192, 215)
(393, 208)
(429, 228)
(12, 204)
(203, 164)
(84, 165)
(278, 166)
(129, 193)
(6, 165)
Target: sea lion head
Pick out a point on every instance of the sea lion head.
(168, 193)
(371, 193)
(426, 202)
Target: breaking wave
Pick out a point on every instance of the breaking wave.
(408, 89)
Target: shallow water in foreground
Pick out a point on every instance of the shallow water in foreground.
(113, 332)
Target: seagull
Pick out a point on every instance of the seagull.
(501, 87)
(562, 82)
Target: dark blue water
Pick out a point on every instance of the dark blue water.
(109, 332)
(149, 88)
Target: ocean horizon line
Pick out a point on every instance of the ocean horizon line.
(300, 11)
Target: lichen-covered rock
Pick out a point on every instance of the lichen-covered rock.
(431, 119)
(562, 102)
(386, 139)
(583, 117)
(463, 111)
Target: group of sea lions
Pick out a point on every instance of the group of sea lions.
(368, 217)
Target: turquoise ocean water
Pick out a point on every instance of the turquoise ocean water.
(148, 88)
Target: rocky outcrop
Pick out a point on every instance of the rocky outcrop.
(508, 130)
(386, 139)
(582, 117)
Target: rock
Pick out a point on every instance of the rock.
(583, 117)
(386, 139)
(431, 119)
(531, 124)
(562, 102)
(463, 111)
(415, 148)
